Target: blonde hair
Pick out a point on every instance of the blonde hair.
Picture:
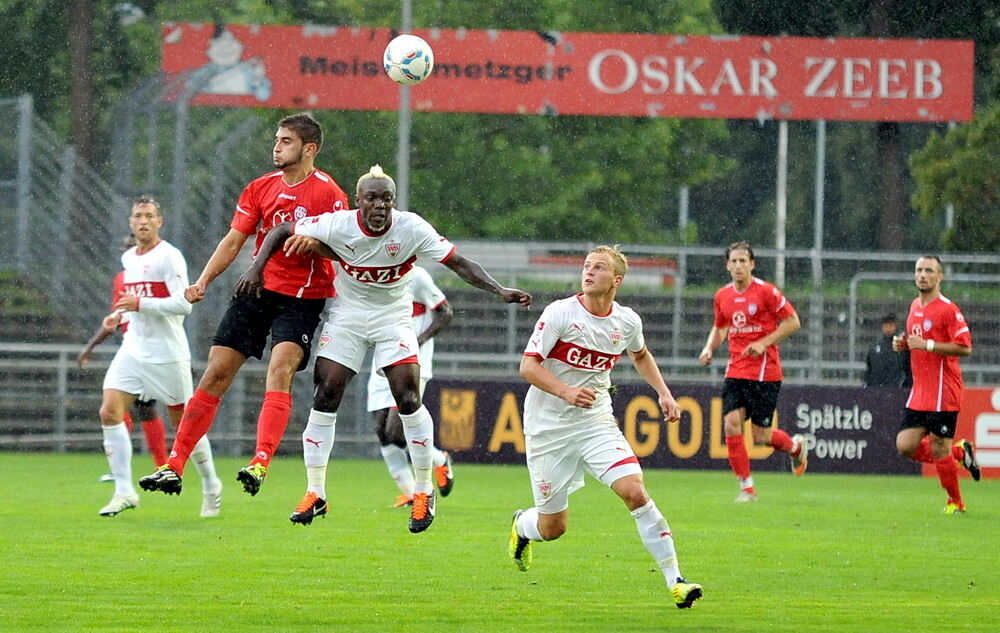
(618, 260)
(377, 172)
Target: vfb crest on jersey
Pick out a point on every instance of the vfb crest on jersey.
(616, 337)
(392, 248)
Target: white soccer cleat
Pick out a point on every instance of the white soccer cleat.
(746, 496)
(118, 504)
(801, 461)
(211, 502)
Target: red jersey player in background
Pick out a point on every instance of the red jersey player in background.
(756, 317)
(295, 290)
(142, 410)
(936, 336)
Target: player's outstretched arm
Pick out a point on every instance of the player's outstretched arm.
(252, 280)
(475, 275)
(225, 254)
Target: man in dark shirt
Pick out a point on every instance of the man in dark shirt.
(884, 367)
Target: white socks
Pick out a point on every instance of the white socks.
(317, 443)
(118, 448)
(398, 463)
(202, 458)
(656, 536)
(527, 525)
(418, 428)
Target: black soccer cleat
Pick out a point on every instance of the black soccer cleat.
(969, 461)
(308, 509)
(252, 477)
(164, 479)
(422, 511)
(444, 476)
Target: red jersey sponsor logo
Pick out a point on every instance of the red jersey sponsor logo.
(378, 274)
(583, 358)
(156, 289)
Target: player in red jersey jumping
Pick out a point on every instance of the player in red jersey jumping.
(936, 336)
(756, 317)
(295, 290)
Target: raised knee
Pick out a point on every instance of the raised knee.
(409, 403)
(552, 532)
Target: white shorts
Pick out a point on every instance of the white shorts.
(557, 461)
(170, 383)
(348, 335)
(379, 396)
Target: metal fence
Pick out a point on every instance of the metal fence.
(65, 222)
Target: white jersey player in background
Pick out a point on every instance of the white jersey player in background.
(154, 360)
(375, 248)
(431, 314)
(569, 425)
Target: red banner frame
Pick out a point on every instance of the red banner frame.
(602, 74)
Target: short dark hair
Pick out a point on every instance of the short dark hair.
(146, 199)
(305, 127)
(935, 258)
(888, 318)
(739, 246)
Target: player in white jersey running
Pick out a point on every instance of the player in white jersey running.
(375, 248)
(154, 360)
(431, 314)
(569, 426)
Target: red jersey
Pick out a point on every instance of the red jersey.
(117, 290)
(937, 379)
(751, 315)
(267, 202)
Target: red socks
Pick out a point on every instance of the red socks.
(197, 419)
(923, 452)
(156, 440)
(271, 425)
(781, 441)
(947, 470)
(739, 460)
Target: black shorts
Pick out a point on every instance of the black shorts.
(939, 423)
(757, 397)
(247, 323)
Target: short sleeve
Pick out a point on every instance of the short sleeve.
(546, 333)
(430, 244)
(424, 290)
(319, 227)
(247, 215)
(720, 318)
(636, 341)
(959, 329)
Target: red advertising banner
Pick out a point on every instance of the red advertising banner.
(979, 422)
(603, 74)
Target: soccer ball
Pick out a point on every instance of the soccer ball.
(408, 60)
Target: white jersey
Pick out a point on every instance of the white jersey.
(579, 348)
(155, 332)
(375, 267)
(426, 298)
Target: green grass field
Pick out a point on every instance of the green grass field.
(815, 554)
